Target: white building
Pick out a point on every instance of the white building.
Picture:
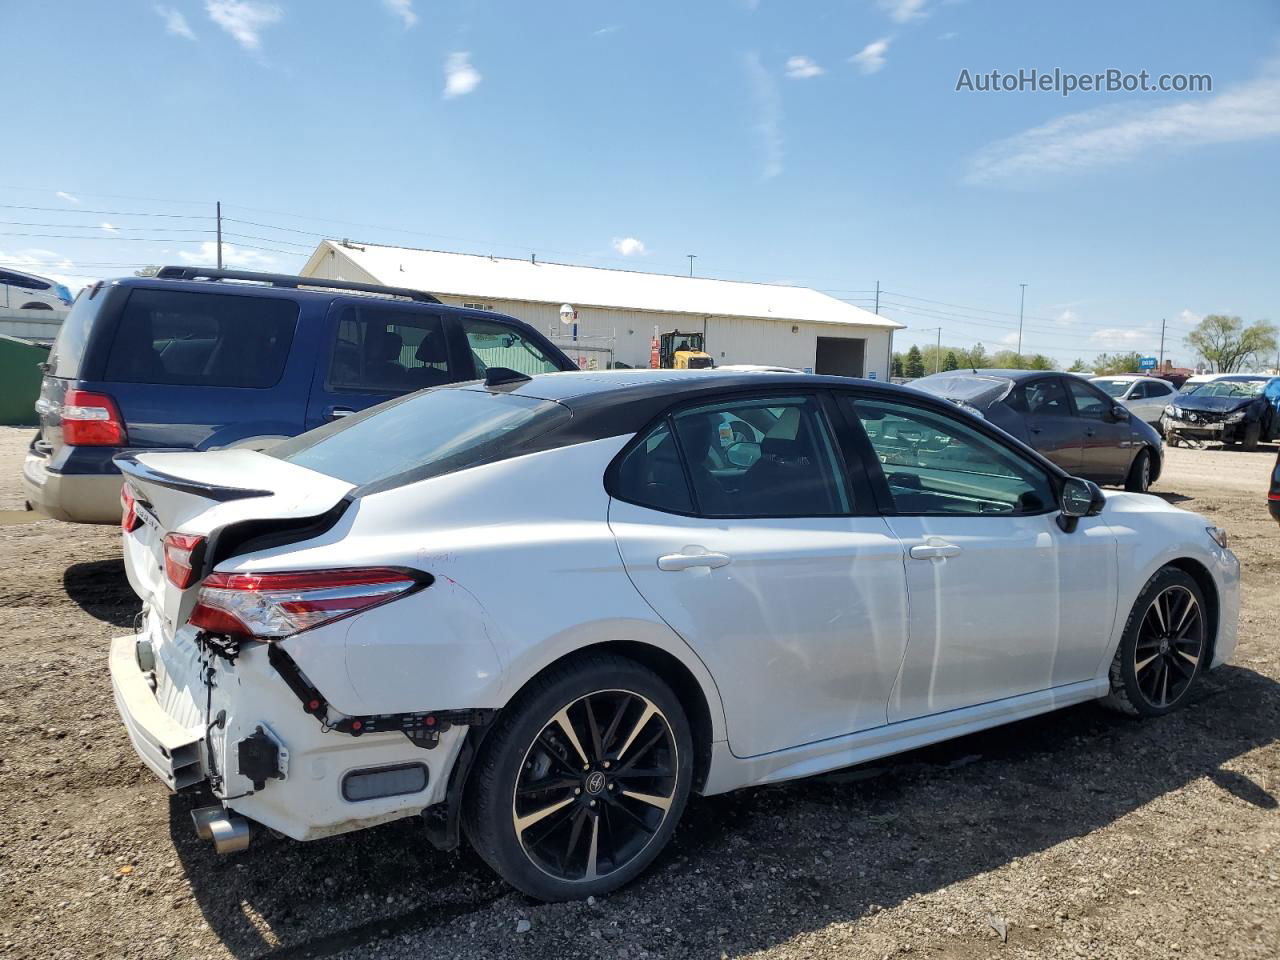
(620, 309)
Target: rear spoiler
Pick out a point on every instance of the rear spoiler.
(292, 282)
(130, 466)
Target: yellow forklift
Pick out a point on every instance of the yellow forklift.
(683, 351)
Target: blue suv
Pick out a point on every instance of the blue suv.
(202, 359)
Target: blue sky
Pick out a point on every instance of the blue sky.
(815, 143)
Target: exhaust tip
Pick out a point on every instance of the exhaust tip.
(229, 833)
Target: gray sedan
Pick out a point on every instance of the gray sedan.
(1066, 418)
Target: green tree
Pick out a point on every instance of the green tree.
(1078, 367)
(1227, 345)
(1110, 363)
(896, 366)
(915, 363)
(1008, 360)
(951, 361)
(977, 357)
(1040, 362)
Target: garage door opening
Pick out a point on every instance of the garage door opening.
(840, 357)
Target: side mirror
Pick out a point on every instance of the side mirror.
(1118, 413)
(1079, 498)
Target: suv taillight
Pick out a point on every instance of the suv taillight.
(180, 559)
(91, 420)
(272, 606)
(129, 520)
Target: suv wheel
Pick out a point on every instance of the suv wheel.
(1163, 650)
(1139, 478)
(582, 781)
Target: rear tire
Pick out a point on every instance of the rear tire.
(582, 780)
(1139, 478)
(1163, 649)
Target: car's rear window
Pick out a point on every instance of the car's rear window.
(422, 435)
(73, 335)
(202, 339)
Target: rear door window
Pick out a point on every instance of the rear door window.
(497, 344)
(387, 349)
(68, 349)
(1046, 398)
(201, 339)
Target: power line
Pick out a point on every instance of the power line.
(104, 213)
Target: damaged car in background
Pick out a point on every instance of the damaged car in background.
(1237, 408)
(542, 611)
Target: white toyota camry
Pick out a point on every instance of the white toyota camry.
(541, 612)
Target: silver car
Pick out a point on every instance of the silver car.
(1144, 396)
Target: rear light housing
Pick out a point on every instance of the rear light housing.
(272, 606)
(129, 519)
(181, 555)
(91, 420)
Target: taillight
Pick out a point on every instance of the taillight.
(179, 559)
(129, 519)
(91, 420)
(271, 606)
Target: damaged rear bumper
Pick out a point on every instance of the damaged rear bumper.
(315, 780)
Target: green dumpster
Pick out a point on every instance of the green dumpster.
(20, 379)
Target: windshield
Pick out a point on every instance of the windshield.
(422, 435)
(1226, 388)
(1113, 388)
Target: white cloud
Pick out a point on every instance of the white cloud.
(768, 116)
(402, 9)
(108, 228)
(1189, 318)
(44, 263)
(63, 195)
(949, 35)
(1111, 135)
(244, 19)
(902, 11)
(175, 22)
(802, 68)
(870, 59)
(1066, 318)
(605, 31)
(460, 77)
(232, 256)
(1119, 338)
(629, 246)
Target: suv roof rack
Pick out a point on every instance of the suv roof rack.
(289, 280)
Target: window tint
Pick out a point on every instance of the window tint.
(1090, 404)
(73, 335)
(651, 475)
(935, 464)
(202, 339)
(765, 457)
(1159, 389)
(495, 344)
(422, 436)
(1046, 398)
(389, 350)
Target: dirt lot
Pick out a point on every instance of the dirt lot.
(1079, 834)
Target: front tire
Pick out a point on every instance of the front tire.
(1162, 652)
(582, 781)
(1139, 478)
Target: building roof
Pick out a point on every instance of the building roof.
(502, 278)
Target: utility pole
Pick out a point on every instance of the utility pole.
(877, 298)
(1021, 303)
(937, 358)
(692, 257)
(1162, 320)
(219, 218)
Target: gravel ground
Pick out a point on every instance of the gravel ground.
(1079, 834)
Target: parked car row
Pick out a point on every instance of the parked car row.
(1068, 419)
(204, 359)
(542, 611)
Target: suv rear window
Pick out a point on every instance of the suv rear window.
(202, 339)
(68, 348)
(422, 435)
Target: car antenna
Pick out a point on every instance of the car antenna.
(504, 376)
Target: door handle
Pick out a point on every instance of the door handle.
(689, 560)
(1035, 429)
(337, 413)
(934, 551)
